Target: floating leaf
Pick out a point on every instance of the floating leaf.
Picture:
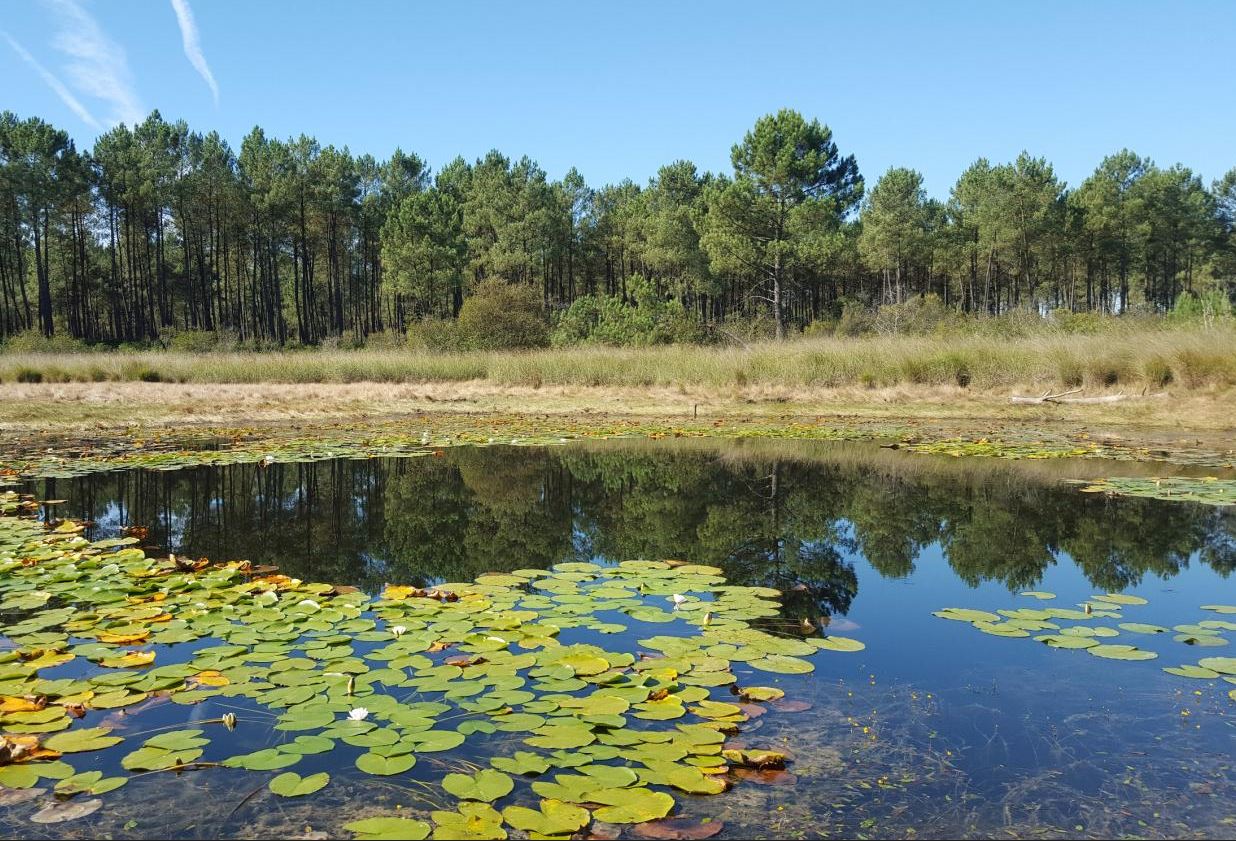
(832, 643)
(1222, 665)
(553, 818)
(373, 829)
(1141, 628)
(291, 784)
(90, 782)
(632, 805)
(83, 739)
(522, 762)
(486, 785)
(1121, 652)
(1191, 671)
(678, 829)
(472, 821)
(781, 664)
(69, 810)
(385, 766)
(964, 614)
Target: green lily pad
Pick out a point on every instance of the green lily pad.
(1121, 652)
(553, 818)
(965, 614)
(379, 829)
(632, 805)
(291, 784)
(385, 766)
(1222, 665)
(82, 739)
(1191, 671)
(782, 664)
(1141, 628)
(485, 785)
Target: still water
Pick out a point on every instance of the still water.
(934, 730)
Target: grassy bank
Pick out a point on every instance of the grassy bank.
(1188, 358)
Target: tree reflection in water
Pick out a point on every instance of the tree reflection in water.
(785, 516)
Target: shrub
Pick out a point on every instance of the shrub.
(437, 334)
(1158, 371)
(1086, 323)
(855, 320)
(915, 317)
(1199, 368)
(502, 316)
(29, 375)
(1206, 307)
(32, 341)
(649, 319)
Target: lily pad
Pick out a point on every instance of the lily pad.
(485, 785)
(376, 829)
(291, 784)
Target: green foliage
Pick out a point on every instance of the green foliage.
(1204, 307)
(33, 341)
(649, 319)
(502, 316)
(436, 334)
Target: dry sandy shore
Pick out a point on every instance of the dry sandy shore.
(67, 407)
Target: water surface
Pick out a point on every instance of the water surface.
(934, 730)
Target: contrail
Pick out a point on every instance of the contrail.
(193, 44)
(66, 96)
(99, 66)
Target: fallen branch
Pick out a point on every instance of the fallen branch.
(1047, 397)
(1063, 398)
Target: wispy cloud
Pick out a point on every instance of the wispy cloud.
(97, 66)
(54, 83)
(193, 44)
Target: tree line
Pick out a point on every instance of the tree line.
(160, 229)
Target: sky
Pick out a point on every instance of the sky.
(619, 89)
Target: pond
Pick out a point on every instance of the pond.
(927, 712)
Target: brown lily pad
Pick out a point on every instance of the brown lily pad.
(602, 831)
(674, 829)
(771, 777)
(15, 796)
(786, 705)
(69, 810)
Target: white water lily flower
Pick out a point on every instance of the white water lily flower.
(358, 714)
(398, 630)
(677, 599)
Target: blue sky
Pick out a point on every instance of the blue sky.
(618, 89)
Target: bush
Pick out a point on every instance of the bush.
(437, 334)
(1206, 307)
(608, 320)
(32, 341)
(855, 320)
(1086, 323)
(502, 316)
(915, 317)
(29, 375)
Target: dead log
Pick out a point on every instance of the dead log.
(1062, 398)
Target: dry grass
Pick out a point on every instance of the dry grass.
(1133, 360)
